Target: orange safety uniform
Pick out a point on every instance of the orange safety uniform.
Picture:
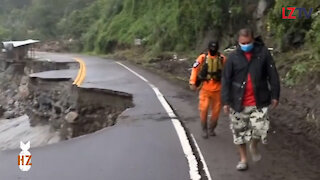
(210, 90)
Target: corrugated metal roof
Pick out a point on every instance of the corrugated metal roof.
(20, 43)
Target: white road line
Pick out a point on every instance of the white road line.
(205, 166)
(185, 143)
(141, 77)
(163, 101)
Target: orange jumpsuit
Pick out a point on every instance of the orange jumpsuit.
(209, 93)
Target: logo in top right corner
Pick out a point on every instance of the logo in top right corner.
(289, 13)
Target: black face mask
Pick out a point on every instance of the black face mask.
(213, 51)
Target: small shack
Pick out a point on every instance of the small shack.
(18, 50)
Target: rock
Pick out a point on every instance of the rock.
(97, 125)
(318, 87)
(35, 104)
(297, 131)
(2, 111)
(23, 91)
(70, 133)
(83, 110)
(92, 116)
(56, 123)
(45, 103)
(105, 124)
(87, 127)
(110, 117)
(58, 108)
(24, 80)
(16, 104)
(8, 91)
(10, 102)
(67, 111)
(71, 117)
(8, 114)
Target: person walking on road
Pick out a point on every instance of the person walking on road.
(250, 83)
(206, 77)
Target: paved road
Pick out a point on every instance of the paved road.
(144, 144)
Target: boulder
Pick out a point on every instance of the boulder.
(71, 117)
(8, 115)
(23, 91)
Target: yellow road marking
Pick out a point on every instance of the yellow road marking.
(81, 73)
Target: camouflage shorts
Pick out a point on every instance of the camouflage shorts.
(251, 123)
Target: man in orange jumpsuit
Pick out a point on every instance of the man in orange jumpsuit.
(206, 76)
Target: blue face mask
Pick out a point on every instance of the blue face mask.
(246, 47)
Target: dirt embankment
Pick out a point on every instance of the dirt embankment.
(58, 46)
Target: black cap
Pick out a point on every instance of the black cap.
(213, 45)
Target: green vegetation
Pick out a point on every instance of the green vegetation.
(313, 36)
(288, 30)
(36, 18)
(299, 36)
(3, 33)
(164, 25)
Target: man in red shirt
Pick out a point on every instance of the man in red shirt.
(250, 83)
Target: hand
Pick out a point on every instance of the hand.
(193, 87)
(226, 109)
(274, 103)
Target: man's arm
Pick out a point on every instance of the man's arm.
(226, 81)
(195, 70)
(224, 59)
(273, 77)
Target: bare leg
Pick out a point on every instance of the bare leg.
(243, 153)
(242, 165)
(256, 156)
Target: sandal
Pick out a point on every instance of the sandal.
(241, 166)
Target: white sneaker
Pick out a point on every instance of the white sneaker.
(241, 166)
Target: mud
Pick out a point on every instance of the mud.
(180, 68)
(299, 113)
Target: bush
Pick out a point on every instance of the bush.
(4, 33)
(290, 33)
(164, 25)
(313, 36)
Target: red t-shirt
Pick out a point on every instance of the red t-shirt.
(249, 99)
